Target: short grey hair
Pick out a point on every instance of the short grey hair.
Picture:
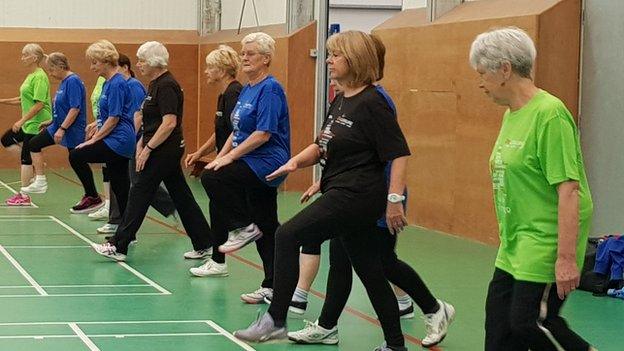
(266, 44)
(155, 54)
(490, 49)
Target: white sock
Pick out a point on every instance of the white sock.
(40, 178)
(404, 301)
(107, 203)
(300, 295)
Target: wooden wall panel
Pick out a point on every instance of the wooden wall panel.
(449, 122)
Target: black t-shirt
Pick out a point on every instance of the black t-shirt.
(361, 133)
(164, 97)
(225, 106)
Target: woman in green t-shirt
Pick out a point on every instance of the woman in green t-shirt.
(34, 99)
(542, 200)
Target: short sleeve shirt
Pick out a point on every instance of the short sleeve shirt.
(263, 107)
(36, 88)
(164, 97)
(359, 136)
(71, 93)
(538, 148)
(225, 106)
(116, 102)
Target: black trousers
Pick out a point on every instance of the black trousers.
(396, 271)
(161, 201)
(238, 198)
(40, 141)
(117, 165)
(349, 217)
(162, 166)
(10, 138)
(521, 315)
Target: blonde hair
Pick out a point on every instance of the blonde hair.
(224, 58)
(266, 44)
(360, 52)
(155, 54)
(58, 60)
(103, 51)
(34, 50)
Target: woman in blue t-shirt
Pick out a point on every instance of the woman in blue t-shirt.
(259, 144)
(113, 143)
(161, 201)
(69, 110)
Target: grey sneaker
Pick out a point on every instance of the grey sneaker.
(385, 347)
(258, 296)
(263, 329)
(313, 333)
(436, 324)
(110, 251)
(239, 238)
(198, 254)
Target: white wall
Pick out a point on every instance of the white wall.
(118, 14)
(355, 19)
(269, 12)
(411, 4)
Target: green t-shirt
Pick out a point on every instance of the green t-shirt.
(538, 148)
(95, 96)
(36, 88)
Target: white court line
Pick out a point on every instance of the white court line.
(32, 204)
(17, 216)
(24, 220)
(76, 286)
(47, 247)
(123, 264)
(117, 336)
(23, 272)
(85, 339)
(87, 295)
(199, 321)
(227, 334)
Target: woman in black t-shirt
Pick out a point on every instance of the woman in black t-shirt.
(358, 137)
(158, 155)
(222, 65)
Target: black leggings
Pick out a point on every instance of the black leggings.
(349, 217)
(10, 138)
(162, 166)
(398, 272)
(116, 164)
(238, 198)
(40, 141)
(521, 315)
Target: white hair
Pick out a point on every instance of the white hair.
(266, 44)
(490, 49)
(154, 53)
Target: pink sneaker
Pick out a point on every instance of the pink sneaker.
(18, 200)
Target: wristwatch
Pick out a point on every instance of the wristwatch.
(395, 198)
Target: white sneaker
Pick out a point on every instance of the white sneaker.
(101, 213)
(315, 334)
(108, 228)
(36, 187)
(210, 269)
(239, 238)
(257, 296)
(199, 254)
(436, 324)
(110, 251)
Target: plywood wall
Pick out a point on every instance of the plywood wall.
(450, 124)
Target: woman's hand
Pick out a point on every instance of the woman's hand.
(141, 159)
(191, 159)
(86, 143)
(58, 136)
(567, 275)
(219, 163)
(395, 217)
(289, 167)
(313, 189)
(17, 125)
(90, 130)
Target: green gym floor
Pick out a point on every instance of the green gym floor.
(57, 294)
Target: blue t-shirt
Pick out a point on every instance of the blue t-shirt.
(263, 107)
(116, 101)
(381, 222)
(71, 93)
(138, 92)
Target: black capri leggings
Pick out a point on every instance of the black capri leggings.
(10, 138)
(40, 141)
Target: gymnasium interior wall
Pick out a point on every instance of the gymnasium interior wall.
(450, 124)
